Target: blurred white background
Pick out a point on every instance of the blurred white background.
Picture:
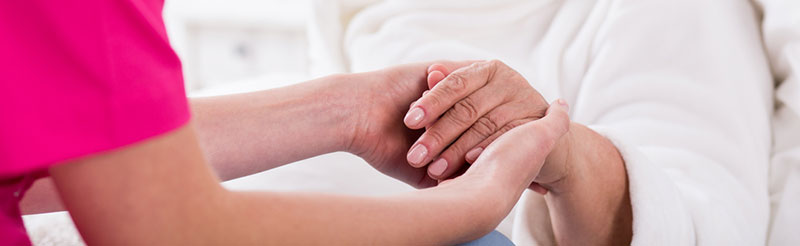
(237, 46)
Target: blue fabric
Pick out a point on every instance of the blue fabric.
(494, 238)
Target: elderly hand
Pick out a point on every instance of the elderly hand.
(517, 158)
(379, 101)
(467, 110)
(573, 167)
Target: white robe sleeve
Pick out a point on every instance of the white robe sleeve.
(682, 88)
(781, 33)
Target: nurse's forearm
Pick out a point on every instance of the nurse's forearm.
(591, 205)
(444, 215)
(160, 192)
(247, 133)
(242, 134)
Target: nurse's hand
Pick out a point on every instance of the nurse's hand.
(465, 111)
(379, 100)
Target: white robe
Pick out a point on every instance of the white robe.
(781, 28)
(681, 87)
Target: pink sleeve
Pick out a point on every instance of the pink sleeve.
(81, 77)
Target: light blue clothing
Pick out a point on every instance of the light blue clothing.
(494, 238)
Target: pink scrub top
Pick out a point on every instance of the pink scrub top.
(76, 78)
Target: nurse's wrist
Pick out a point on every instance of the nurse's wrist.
(340, 106)
(487, 198)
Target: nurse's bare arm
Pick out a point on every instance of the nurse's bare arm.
(161, 191)
(247, 133)
(360, 113)
(242, 134)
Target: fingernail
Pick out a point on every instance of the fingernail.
(417, 154)
(473, 154)
(414, 116)
(563, 103)
(438, 167)
(425, 92)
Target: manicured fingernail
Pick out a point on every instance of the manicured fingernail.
(438, 167)
(473, 154)
(417, 154)
(414, 116)
(563, 103)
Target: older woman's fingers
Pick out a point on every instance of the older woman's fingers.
(546, 130)
(455, 87)
(450, 126)
(523, 150)
(473, 153)
(558, 124)
(497, 121)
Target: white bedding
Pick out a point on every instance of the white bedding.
(682, 87)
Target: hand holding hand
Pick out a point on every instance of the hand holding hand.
(571, 167)
(381, 98)
(516, 158)
(467, 110)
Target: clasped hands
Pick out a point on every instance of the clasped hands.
(423, 124)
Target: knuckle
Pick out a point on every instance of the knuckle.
(496, 63)
(435, 138)
(529, 110)
(494, 69)
(540, 109)
(452, 152)
(507, 128)
(516, 77)
(485, 127)
(511, 125)
(464, 111)
(456, 84)
(500, 117)
(433, 98)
